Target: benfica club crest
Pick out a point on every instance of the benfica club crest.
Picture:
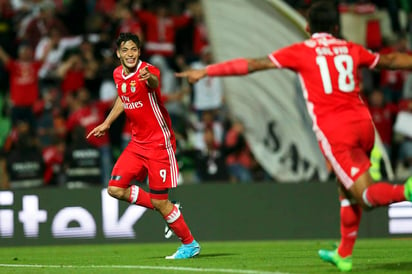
(133, 85)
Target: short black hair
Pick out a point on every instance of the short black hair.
(323, 17)
(128, 36)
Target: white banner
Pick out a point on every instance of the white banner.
(269, 103)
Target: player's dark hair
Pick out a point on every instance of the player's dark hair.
(128, 36)
(323, 17)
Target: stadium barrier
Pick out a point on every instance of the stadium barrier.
(215, 212)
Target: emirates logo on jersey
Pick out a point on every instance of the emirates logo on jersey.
(133, 86)
(124, 85)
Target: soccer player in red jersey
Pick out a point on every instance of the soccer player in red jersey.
(151, 151)
(328, 71)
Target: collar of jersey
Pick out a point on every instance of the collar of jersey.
(133, 73)
(321, 35)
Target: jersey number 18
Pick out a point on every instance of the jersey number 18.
(344, 67)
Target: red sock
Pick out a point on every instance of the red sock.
(176, 222)
(140, 197)
(350, 216)
(383, 194)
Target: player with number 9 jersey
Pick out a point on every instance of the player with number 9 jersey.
(152, 134)
(151, 150)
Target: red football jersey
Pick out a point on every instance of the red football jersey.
(149, 120)
(24, 82)
(328, 71)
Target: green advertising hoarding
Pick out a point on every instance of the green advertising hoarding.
(213, 211)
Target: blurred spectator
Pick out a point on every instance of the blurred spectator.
(239, 162)
(128, 22)
(172, 96)
(71, 73)
(82, 161)
(40, 22)
(107, 89)
(53, 159)
(7, 38)
(210, 161)
(24, 82)
(191, 38)
(89, 114)
(404, 159)
(391, 81)
(160, 28)
(25, 166)
(53, 46)
(91, 62)
(104, 6)
(383, 115)
(200, 33)
(207, 92)
(49, 118)
(207, 121)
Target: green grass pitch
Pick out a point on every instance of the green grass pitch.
(295, 256)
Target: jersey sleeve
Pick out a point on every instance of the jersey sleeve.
(367, 58)
(286, 57)
(154, 70)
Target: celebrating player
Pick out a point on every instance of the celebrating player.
(328, 72)
(151, 151)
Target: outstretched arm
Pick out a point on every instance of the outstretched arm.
(234, 67)
(101, 129)
(146, 75)
(395, 60)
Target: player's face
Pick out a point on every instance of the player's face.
(128, 54)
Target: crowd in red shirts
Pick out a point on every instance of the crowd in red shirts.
(56, 84)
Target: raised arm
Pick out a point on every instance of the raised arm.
(101, 129)
(395, 60)
(234, 67)
(4, 56)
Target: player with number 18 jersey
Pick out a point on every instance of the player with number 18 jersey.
(328, 71)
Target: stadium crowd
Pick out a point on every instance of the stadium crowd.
(56, 85)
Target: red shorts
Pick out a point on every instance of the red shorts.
(347, 148)
(159, 165)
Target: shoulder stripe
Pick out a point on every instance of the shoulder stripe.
(375, 62)
(274, 60)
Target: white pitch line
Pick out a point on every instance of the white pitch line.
(192, 269)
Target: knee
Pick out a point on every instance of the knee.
(116, 192)
(362, 201)
(159, 204)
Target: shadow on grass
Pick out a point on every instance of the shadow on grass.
(210, 255)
